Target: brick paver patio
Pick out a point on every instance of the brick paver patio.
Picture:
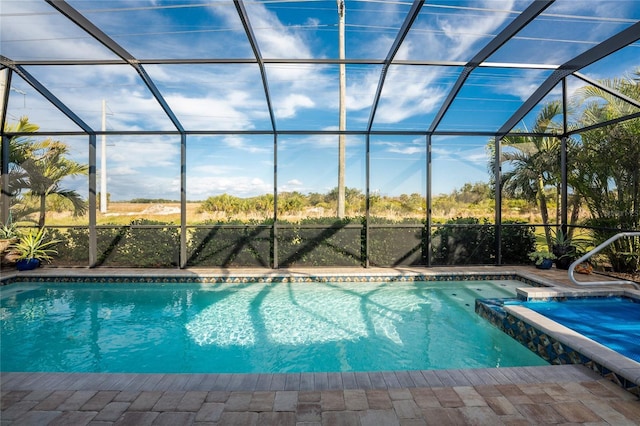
(567, 394)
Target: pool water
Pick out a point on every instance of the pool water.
(613, 321)
(253, 328)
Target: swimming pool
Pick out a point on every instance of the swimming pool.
(253, 328)
(611, 321)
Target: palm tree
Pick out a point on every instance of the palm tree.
(534, 162)
(46, 169)
(608, 171)
(38, 168)
(18, 153)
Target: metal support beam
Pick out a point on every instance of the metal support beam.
(5, 81)
(607, 47)
(307, 61)
(274, 232)
(404, 30)
(5, 196)
(93, 204)
(564, 183)
(429, 200)
(256, 51)
(159, 98)
(40, 88)
(77, 18)
(367, 208)
(524, 18)
(605, 124)
(609, 90)
(497, 175)
(244, 18)
(342, 112)
(182, 263)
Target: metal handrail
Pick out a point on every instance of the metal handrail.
(596, 250)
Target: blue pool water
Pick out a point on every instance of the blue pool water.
(613, 322)
(253, 328)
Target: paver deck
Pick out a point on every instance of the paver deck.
(522, 395)
(559, 394)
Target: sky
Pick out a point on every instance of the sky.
(305, 97)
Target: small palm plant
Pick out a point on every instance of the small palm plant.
(8, 231)
(33, 248)
(8, 236)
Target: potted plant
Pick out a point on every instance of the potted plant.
(565, 249)
(32, 249)
(542, 258)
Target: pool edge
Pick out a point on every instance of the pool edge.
(560, 345)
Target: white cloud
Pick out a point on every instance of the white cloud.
(275, 39)
(201, 187)
(523, 85)
(290, 104)
(455, 35)
(30, 30)
(361, 89)
(407, 93)
(209, 113)
(143, 152)
(121, 171)
(409, 150)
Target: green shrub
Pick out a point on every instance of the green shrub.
(74, 246)
(518, 240)
(143, 243)
(623, 254)
(463, 241)
(314, 242)
(228, 245)
(320, 242)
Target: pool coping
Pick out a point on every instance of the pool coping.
(265, 276)
(557, 343)
(610, 364)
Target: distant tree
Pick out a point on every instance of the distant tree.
(264, 203)
(473, 193)
(291, 202)
(316, 198)
(354, 198)
(226, 203)
(413, 203)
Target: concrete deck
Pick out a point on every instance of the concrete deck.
(516, 396)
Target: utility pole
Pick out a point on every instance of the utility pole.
(343, 112)
(103, 161)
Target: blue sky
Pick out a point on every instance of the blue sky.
(230, 97)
